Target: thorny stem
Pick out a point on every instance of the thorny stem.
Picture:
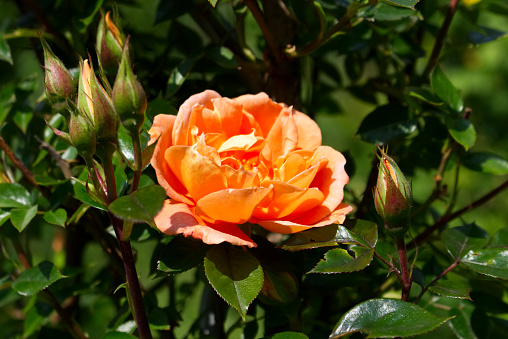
(392, 268)
(128, 258)
(138, 161)
(446, 218)
(438, 45)
(74, 329)
(404, 269)
(433, 282)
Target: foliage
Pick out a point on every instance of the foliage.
(426, 80)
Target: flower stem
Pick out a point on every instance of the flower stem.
(433, 282)
(404, 269)
(138, 161)
(128, 258)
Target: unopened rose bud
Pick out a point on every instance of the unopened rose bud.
(58, 81)
(110, 42)
(128, 95)
(82, 134)
(392, 196)
(96, 104)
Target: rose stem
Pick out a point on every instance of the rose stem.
(404, 268)
(451, 267)
(138, 161)
(128, 258)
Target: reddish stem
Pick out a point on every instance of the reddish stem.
(404, 269)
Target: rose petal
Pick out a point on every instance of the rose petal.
(309, 133)
(330, 180)
(231, 205)
(282, 138)
(242, 142)
(305, 178)
(200, 175)
(287, 199)
(187, 115)
(240, 178)
(289, 227)
(177, 218)
(229, 113)
(262, 108)
(161, 132)
(207, 151)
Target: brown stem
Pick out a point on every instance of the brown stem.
(404, 269)
(19, 164)
(446, 218)
(258, 16)
(64, 165)
(438, 45)
(433, 282)
(392, 268)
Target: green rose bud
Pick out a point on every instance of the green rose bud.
(110, 42)
(97, 105)
(58, 81)
(128, 95)
(392, 196)
(82, 134)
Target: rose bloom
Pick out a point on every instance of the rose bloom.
(224, 162)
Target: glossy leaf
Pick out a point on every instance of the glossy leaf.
(178, 76)
(4, 216)
(223, 57)
(460, 240)
(21, 217)
(469, 322)
(489, 261)
(140, 206)
(14, 195)
(500, 239)
(181, 254)
(312, 238)
(339, 260)
(58, 217)
(486, 163)
(357, 231)
(424, 95)
(5, 50)
(213, 2)
(451, 289)
(81, 193)
(386, 123)
(235, 275)
(46, 180)
(462, 130)
(35, 317)
(445, 90)
(386, 318)
(402, 3)
(35, 279)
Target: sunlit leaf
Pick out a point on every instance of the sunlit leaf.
(58, 217)
(287, 335)
(462, 130)
(424, 95)
(140, 206)
(357, 231)
(451, 289)
(235, 275)
(386, 318)
(445, 90)
(339, 260)
(486, 163)
(500, 239)
(178, 76)
(5, 50)
(21, 217)
(489, 261)
(402, 3)
(14, 195)
(460, 240)
(35, 279)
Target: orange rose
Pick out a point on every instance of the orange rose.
(224, 162)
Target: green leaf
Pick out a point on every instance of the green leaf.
(35, 317)
(178, 76)
(14, 195)
(81, 194)
(451, 289)
(120, 180)
(235, 275)
(4, 216)
(58, 217)
(46, 180)
(5, 50)
(469, 322)
(460, 240)
(140, 206)
(385, 318)
(223, 57)
(386, 123)
(500, 239)
(85, 22)
(357, 231)
(181, 254)
(489, 261)
(339, 260)
(213, 2)
(384, 12)
(287, 335)
(21, 217)
(22, 117)
(462, 130)
(445, 90)
(402, 3)
(312, 238)
(424, 95)
(485, 34)
(35, 279)
(486, 163)
(118, 335)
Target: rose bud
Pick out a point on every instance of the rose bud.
(128, 95)
(82, 134)
(392, 196)
(110, 42)
(96, 104)
(58, 81)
